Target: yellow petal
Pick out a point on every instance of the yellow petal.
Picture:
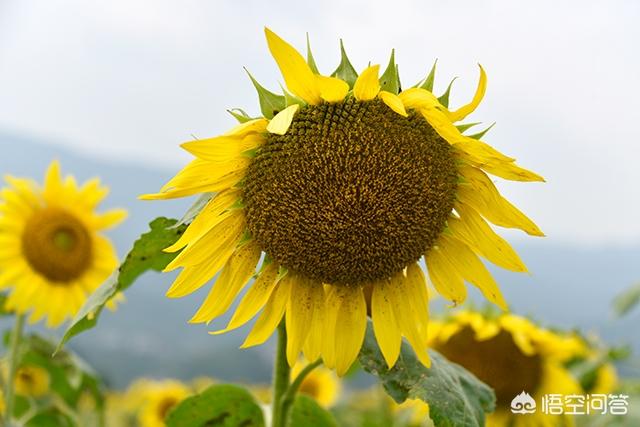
(298, 77)
(299, 315)
(408, 320)
(482, 195)
(225, 233)
(332, 89)
(208, 218)
(109, 219)
(393, 101)
(385, 326)
(416, 287)
(473, 230)
(222, 149)
(510, 171)
(252, 126)
(465, 110)
(202, 176)
(351, 323)
(271, 316)
(53, 183)
(332, 306)
(367, 85)
(281, 122)
(313, 345)
(445, 278)
(419, 99)
(256, 297)
(472, 269)
(236, 273)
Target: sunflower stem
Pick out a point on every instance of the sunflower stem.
(289, 396)
(281, 374)
(16, 338)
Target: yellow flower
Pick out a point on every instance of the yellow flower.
(52, 254)
(512, 355)
(415, 410)
(158, 399)
(321, 384)
(31, 380)
(345, 185)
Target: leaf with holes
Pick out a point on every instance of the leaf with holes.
(455, 396)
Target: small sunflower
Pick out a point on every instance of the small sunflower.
(321, 384)
(52, 254)
(159, 398)
(512, 355)
(345, 184)
(32, 380)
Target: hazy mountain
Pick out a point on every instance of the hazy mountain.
(149, 335)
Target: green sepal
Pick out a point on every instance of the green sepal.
(466, 126)
(270, 103)
(310, 61)
(444, 98)
(428, 82)
(345, 70)
(390, 81)
(240, 115)
(482, 133)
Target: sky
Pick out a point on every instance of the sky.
(130, 80)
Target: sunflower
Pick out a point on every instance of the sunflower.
(159, 399)
(32, 380)
(52, 254)
(345, 184)
(511, 354)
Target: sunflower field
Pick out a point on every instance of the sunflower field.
(341, 252)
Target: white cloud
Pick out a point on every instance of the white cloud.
(135, 78)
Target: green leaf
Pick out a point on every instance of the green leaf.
(480, 134)
(240, 115)
(145, 255)
(390, 81)
(444, 99)
(222, 405)
(270, 103)
(306, 412)
(627, 300)
(428, 82)
(310, 61)
(455, 396)
(345, 70)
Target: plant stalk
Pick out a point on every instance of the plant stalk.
(14, 346)
(280, 377)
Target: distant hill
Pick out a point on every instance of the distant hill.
(149, 335)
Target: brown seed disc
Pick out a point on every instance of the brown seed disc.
(352, 193)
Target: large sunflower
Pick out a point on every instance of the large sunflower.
(52, 255)
(511, 354)
(344, 185)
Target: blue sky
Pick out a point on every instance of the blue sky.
(132, 79)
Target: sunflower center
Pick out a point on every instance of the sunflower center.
(352, 193)
(497, 361)
(57, 245)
